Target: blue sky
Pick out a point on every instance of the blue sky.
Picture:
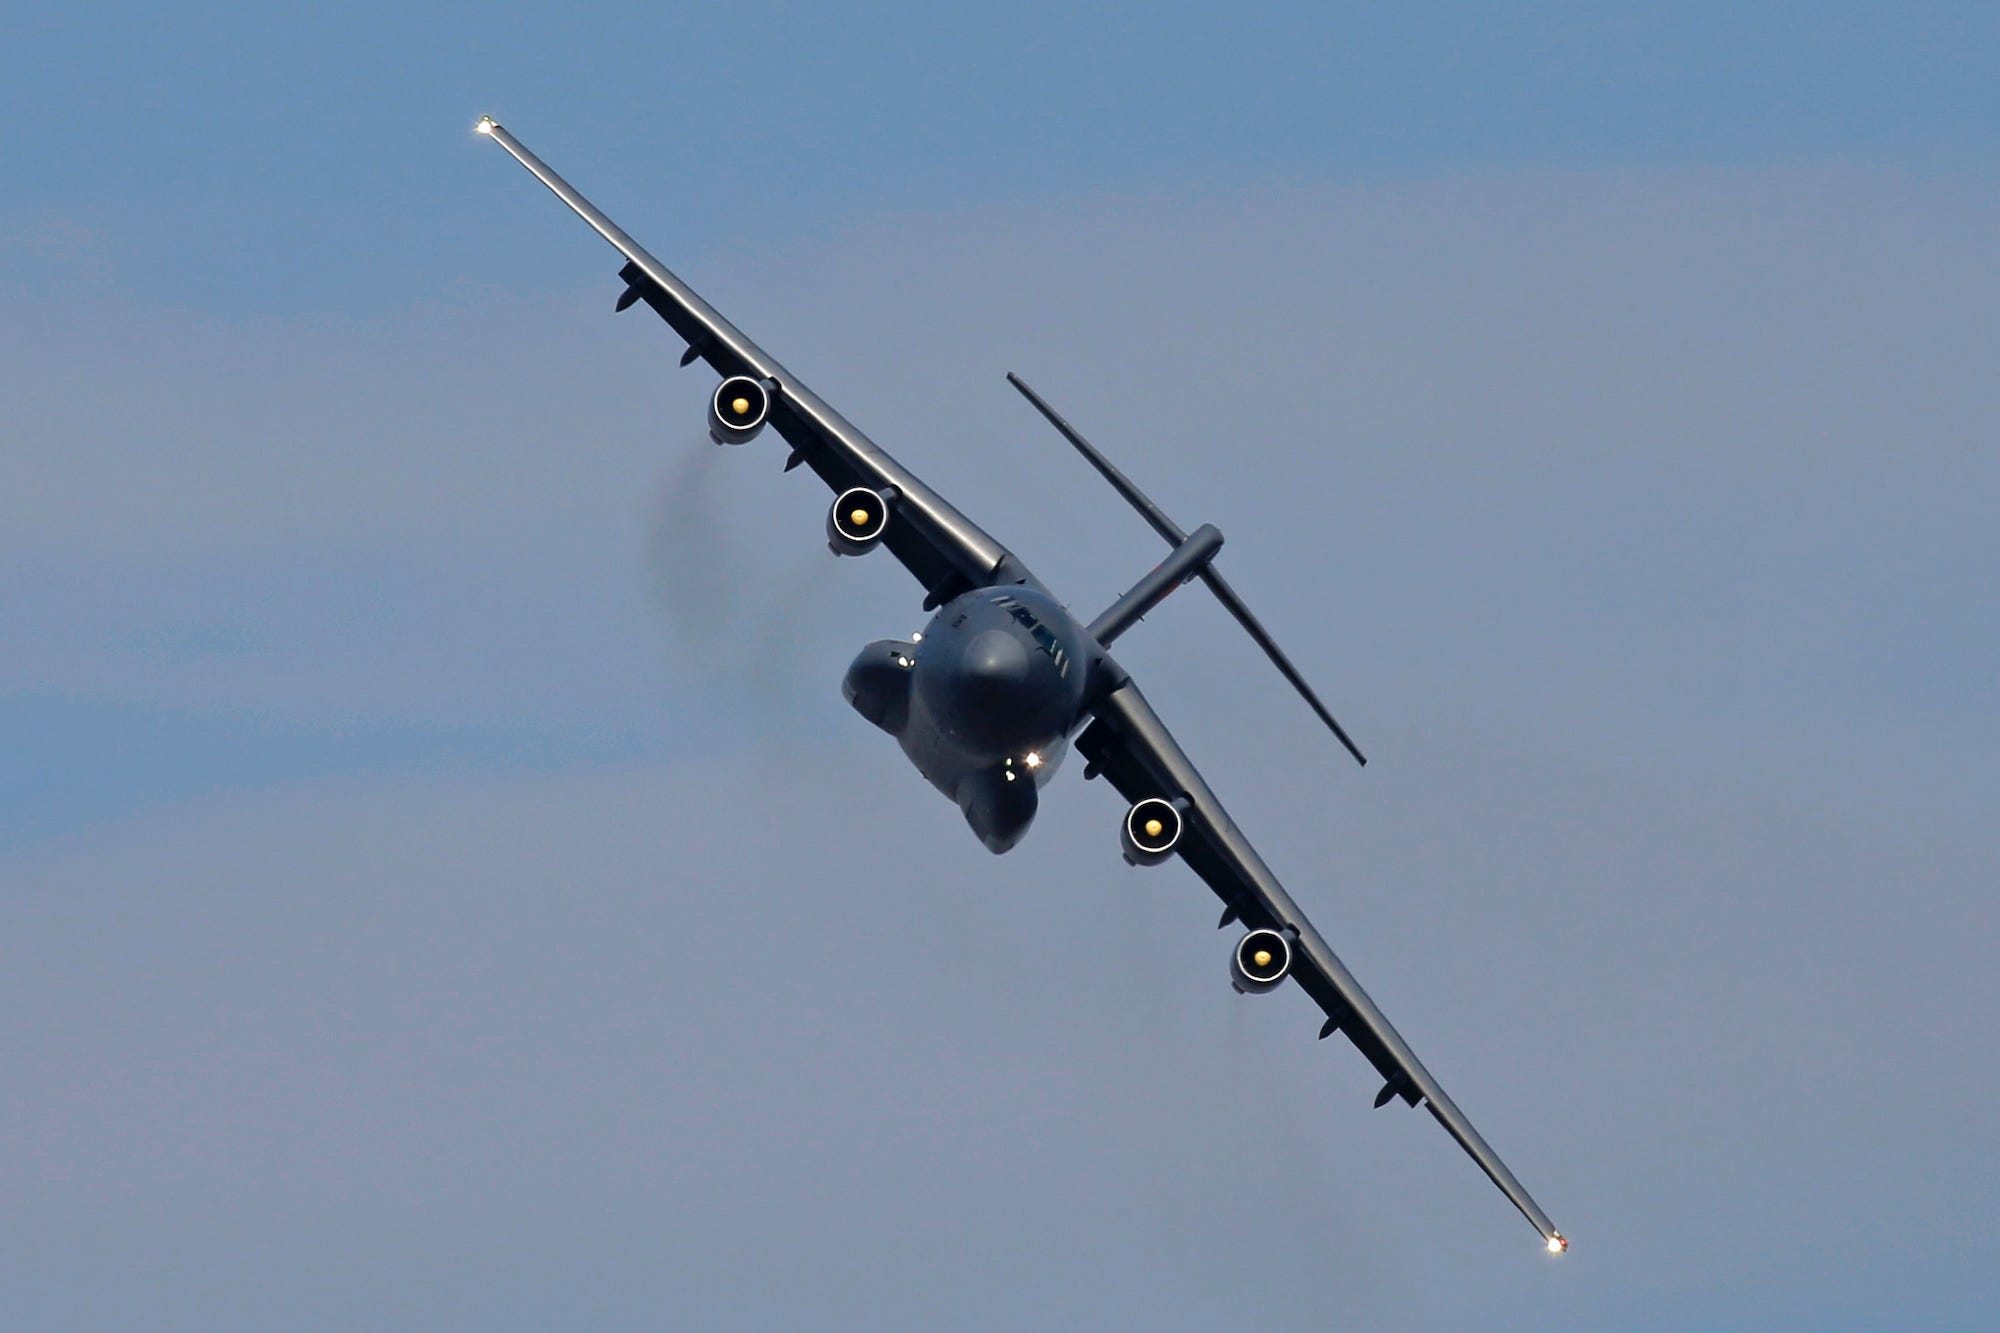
(239, 159)
(399, 696)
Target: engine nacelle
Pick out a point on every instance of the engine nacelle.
(1150, 830)
(1261, 960)
(738, 410)
(857, 520)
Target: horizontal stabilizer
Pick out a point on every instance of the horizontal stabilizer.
(1208, 574)
(1189, 558)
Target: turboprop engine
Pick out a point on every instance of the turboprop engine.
(1261, 960)
(1150, 830)
(738, 410)
(857, 520)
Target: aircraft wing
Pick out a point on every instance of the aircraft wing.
(1129, 745)
(945, 550)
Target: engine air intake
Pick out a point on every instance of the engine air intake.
(1152, 827)
(1261, 960)
(737, 411)
(857, 520)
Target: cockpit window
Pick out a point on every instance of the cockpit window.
(1043, 636)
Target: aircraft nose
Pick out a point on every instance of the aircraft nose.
(995, 660)
(996, 694)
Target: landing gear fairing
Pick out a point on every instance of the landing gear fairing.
(986, 701)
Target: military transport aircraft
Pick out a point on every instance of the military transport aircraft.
(986, 699)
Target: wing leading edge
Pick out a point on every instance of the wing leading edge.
(1133, 749)
(946, 551)
(1126, 742)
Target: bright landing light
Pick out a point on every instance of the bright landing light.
(1557, 1244)
(485, 125)
(1033, 760)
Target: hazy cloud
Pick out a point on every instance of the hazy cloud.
(1639, 525)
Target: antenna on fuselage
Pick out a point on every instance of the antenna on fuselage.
(1168, 529)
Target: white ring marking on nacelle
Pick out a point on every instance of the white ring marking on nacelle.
(1171, 818)
(875, 507)
(1283, 950)
(758, 394)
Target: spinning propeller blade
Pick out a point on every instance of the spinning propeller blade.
(1168, 529)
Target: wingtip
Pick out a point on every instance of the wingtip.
(485, 125)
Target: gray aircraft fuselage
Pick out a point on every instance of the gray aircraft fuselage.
(984, 700)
